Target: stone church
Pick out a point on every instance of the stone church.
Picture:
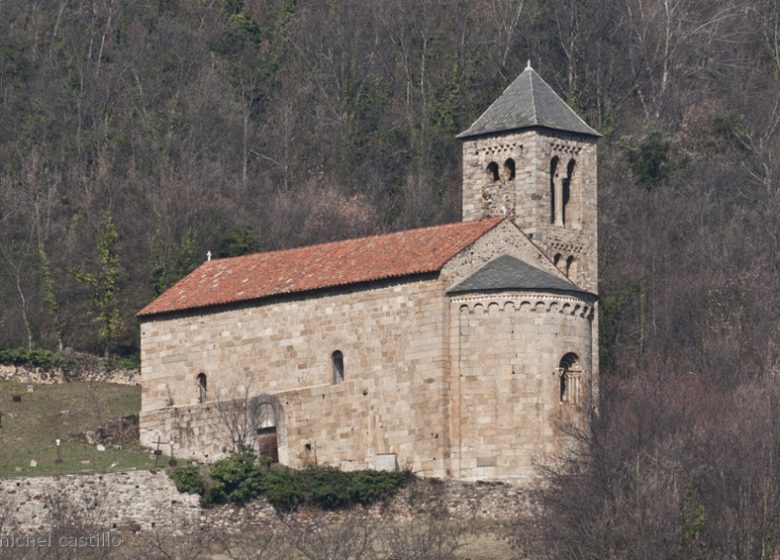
(452, 350)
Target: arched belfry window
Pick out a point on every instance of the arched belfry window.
(570, 267)
(492, 171)
(338, 367)
(568, 195)
(202, 387)
(509, 169)
(569, 372)
(554, 194)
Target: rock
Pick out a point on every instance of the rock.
(91, 437)
(100, 447)
(30, 389)
(18, 469)
(33, 463)
(113, 465)
(85, 462)
(65, 412)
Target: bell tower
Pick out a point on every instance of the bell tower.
(529, 156)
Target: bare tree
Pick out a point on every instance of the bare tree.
(316, 537)
(426, 537)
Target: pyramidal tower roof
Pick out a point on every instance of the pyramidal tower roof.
(528, 102)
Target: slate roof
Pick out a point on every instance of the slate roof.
(261, 275)
(526, 103)
(509, 273)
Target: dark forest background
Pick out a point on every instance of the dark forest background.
(135, 136)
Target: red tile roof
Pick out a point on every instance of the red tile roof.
(326, 265)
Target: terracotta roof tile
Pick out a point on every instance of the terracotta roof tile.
(326, 265)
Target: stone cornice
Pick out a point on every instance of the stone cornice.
(525, 301)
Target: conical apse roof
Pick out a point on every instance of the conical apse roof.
(528, 102)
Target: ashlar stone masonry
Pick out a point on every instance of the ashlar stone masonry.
(455, 350)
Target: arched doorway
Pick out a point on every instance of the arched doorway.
(270, 430)
(267, 441)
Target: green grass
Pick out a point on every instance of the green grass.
(30, 427)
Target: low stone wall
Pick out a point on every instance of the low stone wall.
(134, 500)
(463, 501)
(94, 372)
(148, 501)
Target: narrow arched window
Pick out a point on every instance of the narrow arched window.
(202, 388)
(509, 169)
(492, 171)
(554, 195)
(563, 387)
(568, 195)
(569, 372)
(570, 267)
(338, 367)
(557, 259)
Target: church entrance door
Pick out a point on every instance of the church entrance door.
(267, 445)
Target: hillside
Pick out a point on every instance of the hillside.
(30, 427)
(137, 136)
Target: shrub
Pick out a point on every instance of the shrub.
(131, 361)
(237, 479)
(187, 479)
(330, 488)
(242, 477)
(34, 357)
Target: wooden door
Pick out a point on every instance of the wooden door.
(267, 443)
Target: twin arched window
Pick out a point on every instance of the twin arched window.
(567, 265)
(563, 193)
(508, 174)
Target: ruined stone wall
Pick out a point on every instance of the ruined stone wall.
(394, 342)
(506, 402)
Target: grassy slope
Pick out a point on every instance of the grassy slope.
(29, 428)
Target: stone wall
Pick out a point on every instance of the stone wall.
(93, 373)
(148, 501)
(506, 407)
(394, 341)
(461, 501)
(134, 500)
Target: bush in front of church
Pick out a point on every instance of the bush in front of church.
(243, 477)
